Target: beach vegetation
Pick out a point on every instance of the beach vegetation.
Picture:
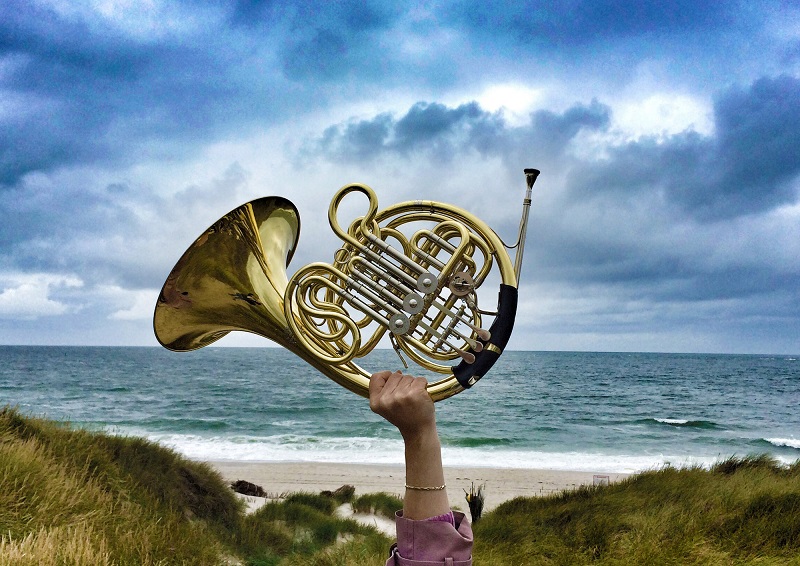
(741, 511)
(475, 498)
(304, 529)
(77, 497)
(322, 503)
(70, 496)
(381, 503)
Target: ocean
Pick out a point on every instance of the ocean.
(599, 412)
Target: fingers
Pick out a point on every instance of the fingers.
(388, 389)
(377, 381)
(404, 401)
(379, 386)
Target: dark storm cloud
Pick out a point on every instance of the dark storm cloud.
(746, 167)
(617, 212)
(253, 12)
(324, 41)
(64, 74)
(89, 93)
(94, 95)
(49, 229)
(567, 24)
(437, 131)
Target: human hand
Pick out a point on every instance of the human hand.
(403, 400)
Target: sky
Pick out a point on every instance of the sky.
(666, 217)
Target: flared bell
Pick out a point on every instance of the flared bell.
(233, 277)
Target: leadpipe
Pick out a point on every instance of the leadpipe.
(530, 178)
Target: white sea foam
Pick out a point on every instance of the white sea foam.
(285, 448)
(673, 421)
(363, 450)
(789, 442)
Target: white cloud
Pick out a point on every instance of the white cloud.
(128, 304)
(516, 99)
(663, 114)
(27, 296)
(141, 309)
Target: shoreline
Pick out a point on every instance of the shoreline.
(500, 484)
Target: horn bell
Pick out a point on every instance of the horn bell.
(233, 277)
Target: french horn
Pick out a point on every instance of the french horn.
(417, 289)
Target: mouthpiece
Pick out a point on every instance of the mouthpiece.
(530, 176)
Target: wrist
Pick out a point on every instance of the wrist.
(421, 437)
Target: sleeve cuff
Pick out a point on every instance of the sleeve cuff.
(445, 518)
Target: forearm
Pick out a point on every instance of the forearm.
(403, 400)
(423, 455)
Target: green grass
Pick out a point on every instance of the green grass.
(742, 511)
(73, 497)
(383, 504)
(302, 529)
(85, 498)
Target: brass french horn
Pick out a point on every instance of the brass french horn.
(421, 290)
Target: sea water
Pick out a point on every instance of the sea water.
(601, 412)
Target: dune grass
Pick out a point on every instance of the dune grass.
(303, 529)
(86, 498)
(383, 504)
(742, 511)
(76, 497)
(73, 497)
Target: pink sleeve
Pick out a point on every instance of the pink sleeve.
(433, 542)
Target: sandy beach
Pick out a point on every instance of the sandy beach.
(500, 484)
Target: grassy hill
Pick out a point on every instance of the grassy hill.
(742, 511)
(76, 497)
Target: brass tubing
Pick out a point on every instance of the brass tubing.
(361, 305)
(380, 289)
(483, 334)
(530, 179)
(395, 254)
(395, 283)
(389, 266)
(372, 295)
(462, 353)
(451, 329)
(442, 242)
(430, 259)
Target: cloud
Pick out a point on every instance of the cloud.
(29, 296)
(748, 166)
(99, 86)
(133, 304)
(340, 39)
(758, 129)
(121, 233)
(567, 24)
(665, 134)
(105, 95)
(439, 132)
(645, 216)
